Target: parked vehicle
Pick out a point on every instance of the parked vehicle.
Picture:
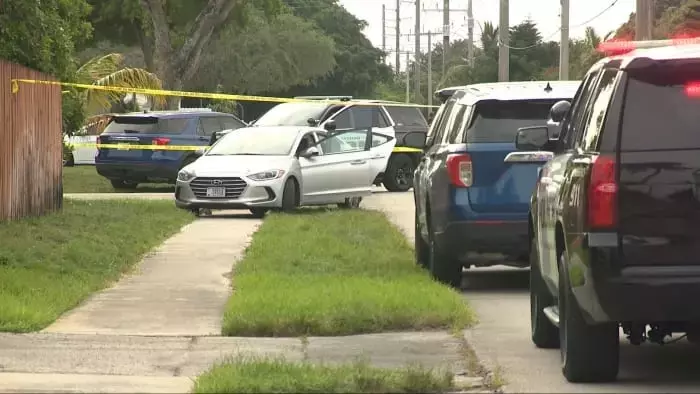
(400, 122)
(471, 190)
(83, 144)
(614, 218)
(128, 166)
(283, 167)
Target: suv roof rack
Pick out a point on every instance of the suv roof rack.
(341, 98)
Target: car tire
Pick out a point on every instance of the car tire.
(258, 213)
(443, 267)
(420, 247)
(545, 335)
(69, 161)
(398, 176)
(589, 353)
(289, 196)
(351, 203)
(121, 184)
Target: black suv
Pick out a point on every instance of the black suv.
(615, 216)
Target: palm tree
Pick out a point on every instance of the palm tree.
(108, 70)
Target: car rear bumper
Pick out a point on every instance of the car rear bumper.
(138, 172)
(263, 194)
(484, 243)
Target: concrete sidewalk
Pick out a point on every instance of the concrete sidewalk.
(178, 289)
(123, 364)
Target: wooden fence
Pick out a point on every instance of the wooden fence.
(31, 149)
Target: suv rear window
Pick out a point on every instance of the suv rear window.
(146, 125)
(499, 121)
(407, 116)
(662, 109)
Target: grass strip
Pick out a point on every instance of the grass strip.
(278, 376)
(335, 272)
(49, 264)
(85, 179)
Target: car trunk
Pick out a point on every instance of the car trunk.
(659, 181)
(129, 132)
(499, 186)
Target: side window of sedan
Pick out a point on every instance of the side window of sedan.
(345, 142)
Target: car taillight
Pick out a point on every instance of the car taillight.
(459, 168)
(161, 141)
(602, 193)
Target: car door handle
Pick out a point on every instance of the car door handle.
(204, 138)
(358, 162)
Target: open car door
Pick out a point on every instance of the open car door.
(380, 152)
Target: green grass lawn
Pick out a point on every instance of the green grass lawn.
(50, 264)
(335, 272)
(85, 179)
(277, 376)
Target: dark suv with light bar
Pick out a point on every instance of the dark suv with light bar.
(615, 217)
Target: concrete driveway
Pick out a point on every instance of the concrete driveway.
(502, 338)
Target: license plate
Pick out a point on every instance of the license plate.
(216, 192)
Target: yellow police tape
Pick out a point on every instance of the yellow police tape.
(398, 149)
(214, 96)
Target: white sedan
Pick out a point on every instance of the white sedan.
(283, 167)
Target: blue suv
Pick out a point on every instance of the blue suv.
(472, 188)
(127, 167)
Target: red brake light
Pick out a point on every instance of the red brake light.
(602, 193)
(692, 89)
(161, 141)
(459, 168)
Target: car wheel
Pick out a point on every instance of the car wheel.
(589, 353)
(69, 160)
(420, 246)
(121, 184)
(443, 267)
(258, 213)
(289, 196)
(398, 176)
(545, 335)
(351, 203)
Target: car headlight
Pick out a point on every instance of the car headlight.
(266, 175)
(185, 175)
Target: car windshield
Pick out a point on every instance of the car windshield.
(292, 114)
(254, 141)
(499, 121)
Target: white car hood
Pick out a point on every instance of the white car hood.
(238, 165)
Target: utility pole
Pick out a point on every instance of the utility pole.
(564, 42)
(445, 33)
(408, 80)
(416, 54)
(503, 42)
(398, 37)
(430, 68)
(644, 19)
(383, 28)
(470, 34)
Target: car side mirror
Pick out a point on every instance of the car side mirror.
(559, 111)
(312, 122)
(532, 138)
(200, 152)
(310, 152)
(330, 125)
(415, 139)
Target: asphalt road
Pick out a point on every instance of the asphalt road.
(502, 338)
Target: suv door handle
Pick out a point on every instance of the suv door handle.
(358, 162)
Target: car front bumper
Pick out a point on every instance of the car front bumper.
(240, 193)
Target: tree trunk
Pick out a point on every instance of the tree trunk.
(176, 67)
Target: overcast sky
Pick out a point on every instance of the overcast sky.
(545, 15)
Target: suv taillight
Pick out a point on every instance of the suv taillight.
(161, 141)
(602, 193)
(459, 168)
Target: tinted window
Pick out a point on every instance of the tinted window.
(146, 125)
(499, 121)
(292, 114)
(255, 141)
(457, 124)
(601, 101)
(230, 123)
(210, 125)
(659, 113)
(343, 120)
(407, 116)
(441, 123)
(578, 109)
(366, 116)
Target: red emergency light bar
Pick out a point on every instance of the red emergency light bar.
(618, 47)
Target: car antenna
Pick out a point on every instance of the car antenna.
(548, 88)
